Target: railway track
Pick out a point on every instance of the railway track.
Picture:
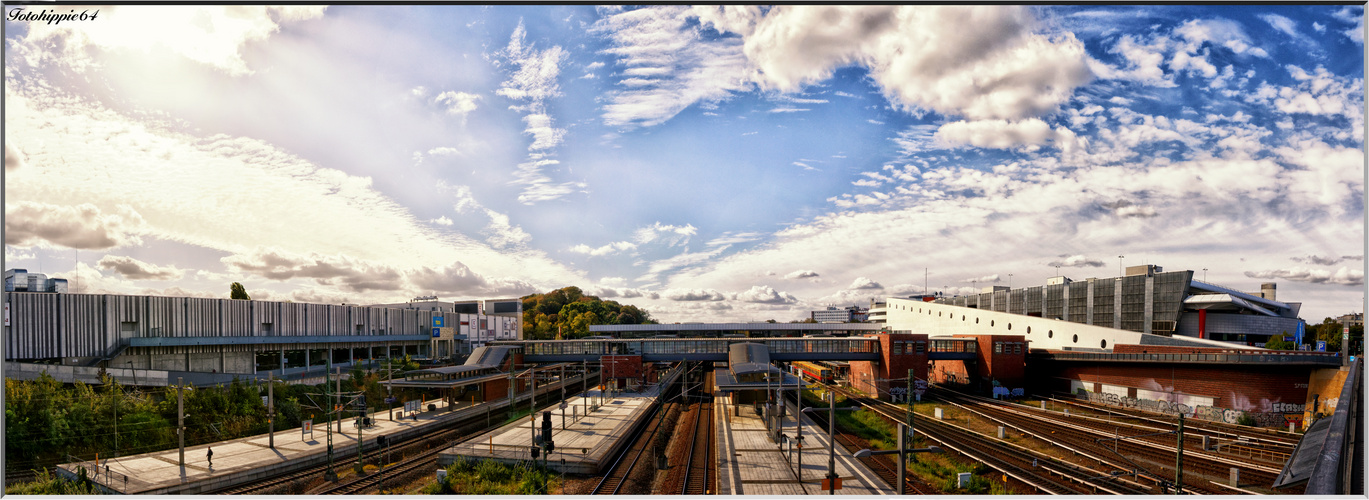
(1082, 435)
(1043, 473)
(1250, 441)
(414, 451)
(628, 459)
(883, 465)
(701, 475)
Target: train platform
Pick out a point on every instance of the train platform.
(749, 463)
(245, 460)
(587, 438)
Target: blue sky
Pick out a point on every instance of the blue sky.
(706, 163)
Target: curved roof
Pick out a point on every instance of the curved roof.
(749, 358)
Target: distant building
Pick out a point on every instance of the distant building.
(20, 280)
(1352, 319)
(479, 322)
(852, 314)
(1149, 300)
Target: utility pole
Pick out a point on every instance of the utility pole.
(338, 395)
(902, 449)
(271, 409)
(532, 403)
(513, 382)
(329, 475)
(1179, 459)
(180, 419)
(831, 442)
(798, 421)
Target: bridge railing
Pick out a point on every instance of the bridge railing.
(1332, 472)
(1280, 357)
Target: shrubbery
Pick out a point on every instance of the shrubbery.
(488, 477)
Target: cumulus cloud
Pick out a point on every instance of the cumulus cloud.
(441, 221)
(457, 103)
(762, 294)
(1342, 276)
(801, 274)
(343, 271)
(1075, 261)
(1003, 134)
(693, 295)
(211, 35)
(500, 234)
(1354, 15)
(921, 57)
(135, 269)
(863, 283)
(84, 226)
(459, 280)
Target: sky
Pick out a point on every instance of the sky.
(737, 163)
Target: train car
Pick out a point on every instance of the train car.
(813, 371)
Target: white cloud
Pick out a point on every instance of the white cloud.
(691, 295)
(1283, 24)
(533, 83)
(921, 56)
(500, 234)
(135, 269)
(458, 103)
(1319, 27)
(1343, 276)
(1075, 261)
(441, 221)
(442, 151)
(801, 274)
(670, 65)
(611, 248)
(1348, 14)
(84, 226)
(734, 238)
(669, 234)
(1325, 261)
(212, 35)
(761, 294)
(992, 278)
(863, 283)
(458, 279)
(1002, 134)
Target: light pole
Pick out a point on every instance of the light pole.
(1204, 274)
(831, 438)
(1120, 270)
(903, 451)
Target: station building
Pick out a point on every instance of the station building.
(185, 335)
(1149, 300)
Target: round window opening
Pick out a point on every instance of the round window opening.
(1050, 334)
(938, 314)
(1104, 344)
(990, 322)
(976, 321)
(1010, 326)
(962, 317)
(1029, 329)
(1076, 339)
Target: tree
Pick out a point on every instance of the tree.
(236, 292)
(1276, 342)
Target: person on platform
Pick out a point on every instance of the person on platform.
(209, 457)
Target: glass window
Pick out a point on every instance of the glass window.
(898, 348)
(997, 347)
(921, 346)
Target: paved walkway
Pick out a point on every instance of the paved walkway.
(584, 440)
(750, 464)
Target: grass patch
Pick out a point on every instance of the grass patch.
(942, 472)
(47, 483)
(487, 477)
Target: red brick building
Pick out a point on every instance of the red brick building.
(887, 378)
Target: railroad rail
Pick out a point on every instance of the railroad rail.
(1273, 438)
(474, 423)
(1041, 472)
(701, 476)
(885, 466)
(1082, 434)
(620, 471)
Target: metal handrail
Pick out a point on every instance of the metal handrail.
(1328, 477)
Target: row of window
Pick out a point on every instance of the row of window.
(1007, 347)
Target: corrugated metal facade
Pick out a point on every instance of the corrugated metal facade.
(51, 325)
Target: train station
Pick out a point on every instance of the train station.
(735, 400)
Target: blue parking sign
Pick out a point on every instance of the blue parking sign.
(1321, 345)
(438, 322)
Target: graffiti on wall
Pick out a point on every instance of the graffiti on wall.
(1280, 414)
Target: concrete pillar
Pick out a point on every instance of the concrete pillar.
(1207, 443)
(1000, 432)
(937, 411)
(1235, 477)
